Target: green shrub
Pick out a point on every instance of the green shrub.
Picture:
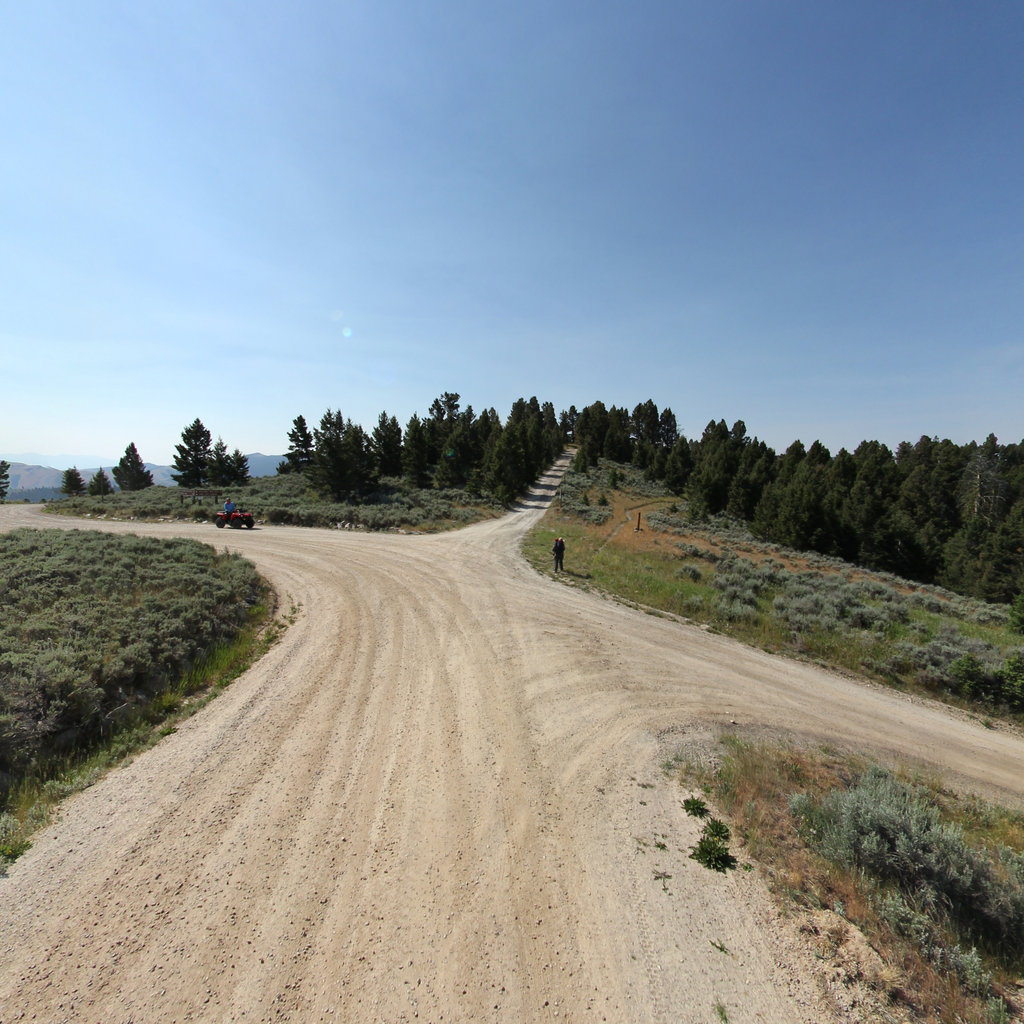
(695, 807)
(1016, 615)
(12, 841)
(1012, 680)
(717, 829)
(712, 853)
(920, 929)
(892, 832)
(968, 674)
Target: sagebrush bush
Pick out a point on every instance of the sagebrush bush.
(921, 930)
(92, 624)
(966, 665)
(888, 829)
(290, 499)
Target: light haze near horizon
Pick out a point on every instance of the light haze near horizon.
(804, 215)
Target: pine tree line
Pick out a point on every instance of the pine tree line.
(934, 511)
(130, 473)
(450, 447)
(199, 462)
(74, 486)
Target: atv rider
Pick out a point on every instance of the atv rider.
(229, 506)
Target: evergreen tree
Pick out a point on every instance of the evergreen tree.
(547, 412)
(963, 562)
(386, 443)
(841, 475)
(299, 456)
(192, 456)
(617, 445)
(504, 471)
(219, 472)
(589, 433)
(645, 422)
(343, 464)
(668, 429)
(415, 453)
(131, 473)
(444, 412)
(800, 516)
(927, 504)
(459, 455)
(1017, 613)
(533, 443)
(474, 431)
(5, 479)
(1003, 574)
(567, 422)
(239, 464)
(585, 458)
(330, 471)
(644, 455)
(718, 456)
(755, 472)
(867, 512)
(72, 483)
(100, 484)
(226, 469)
(678, 466)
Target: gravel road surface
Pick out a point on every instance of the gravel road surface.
(439, 798)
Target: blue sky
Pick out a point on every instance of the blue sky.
(808, 215)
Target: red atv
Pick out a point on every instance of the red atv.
(235, 519)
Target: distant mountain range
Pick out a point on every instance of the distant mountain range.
(40, 482)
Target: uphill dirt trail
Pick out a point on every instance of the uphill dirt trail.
(439, 798)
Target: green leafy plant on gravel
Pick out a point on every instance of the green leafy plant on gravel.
(712, 848)
(696, 807)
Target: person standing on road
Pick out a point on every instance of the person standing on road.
(559, 552)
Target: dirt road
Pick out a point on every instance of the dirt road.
(439, 798)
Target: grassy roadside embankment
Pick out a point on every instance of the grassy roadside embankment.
(914, 637)
(932, 880)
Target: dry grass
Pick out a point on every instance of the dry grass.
(752, 781)
(640, 546)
